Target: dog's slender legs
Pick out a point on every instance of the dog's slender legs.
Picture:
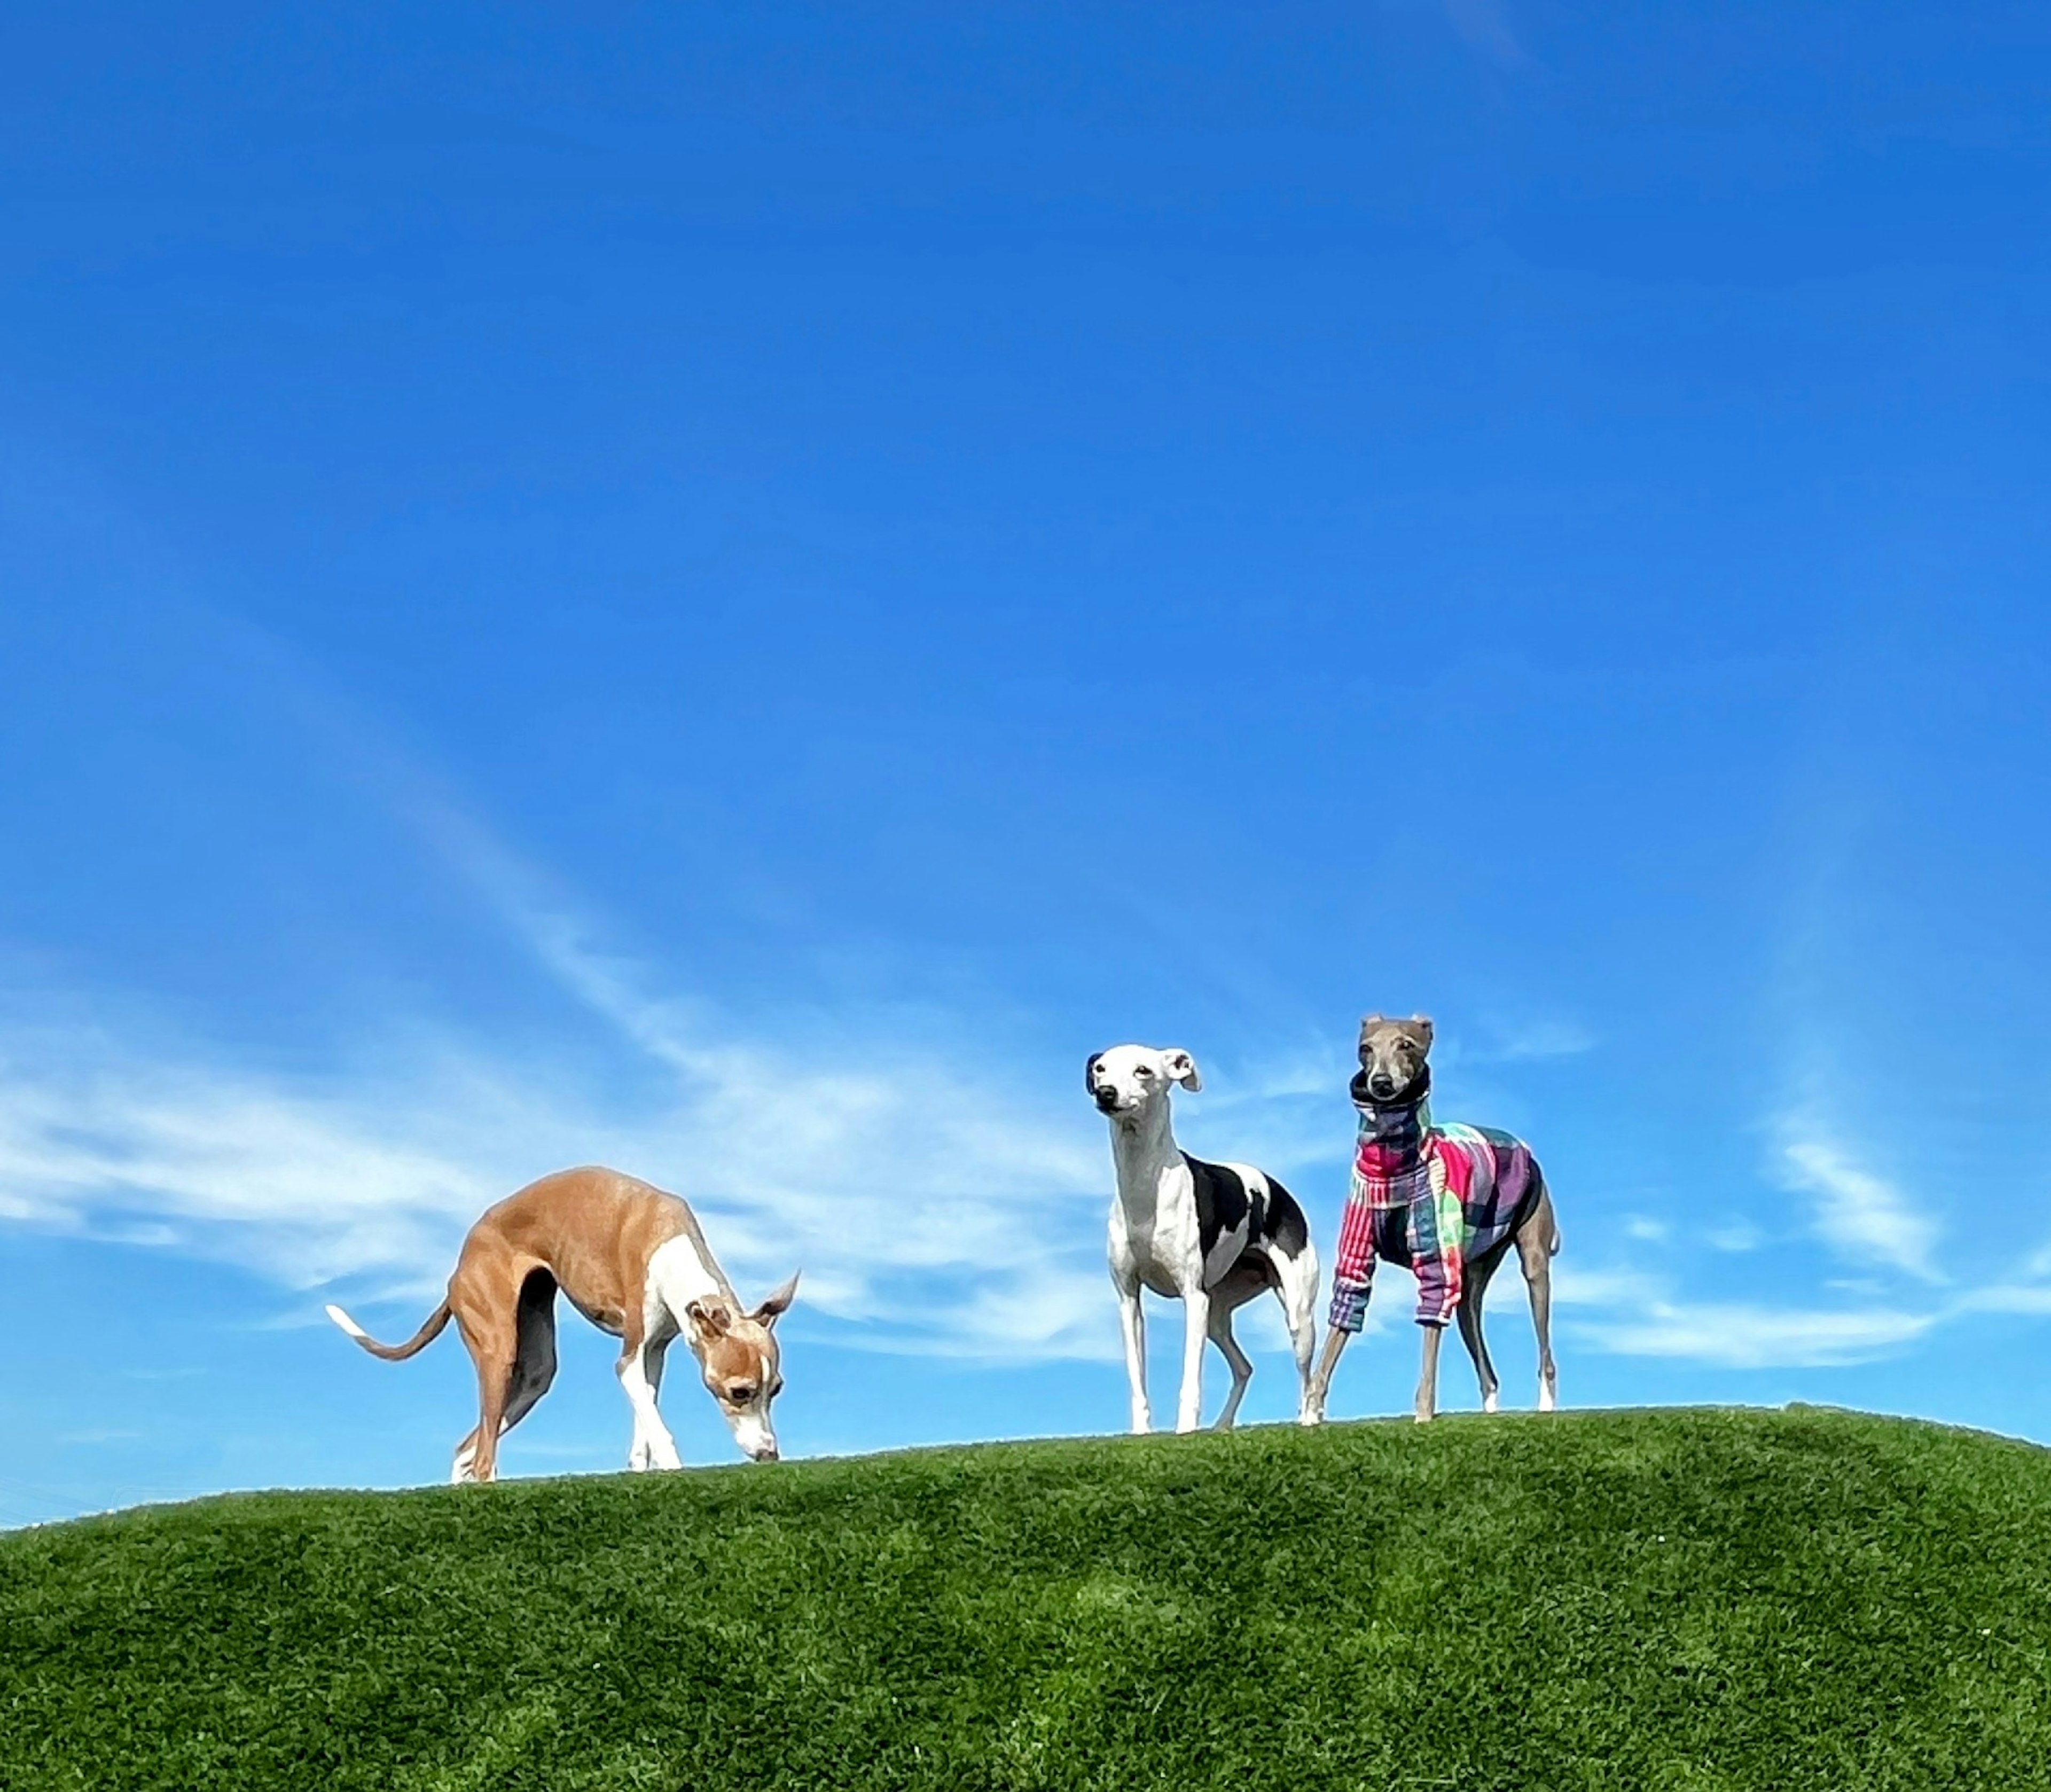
(534, 1368)
(1132, 1320)
(653, 1446)
(1196, 1320)
(653, 1356)
(1321, 1380)
(1242, 1364)
(1428, 1381)
(1537, 1240)
(1297, 1290)
(495, 1360)
(1469, 1315)
(640, 1451)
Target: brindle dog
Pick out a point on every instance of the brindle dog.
(1411, 1178)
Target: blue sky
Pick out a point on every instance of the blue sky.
(732, 591)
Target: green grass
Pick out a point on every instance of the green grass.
(1676, 1600)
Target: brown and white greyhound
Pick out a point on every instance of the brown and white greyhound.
(634, 1262)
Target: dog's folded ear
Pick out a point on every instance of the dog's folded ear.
(1089, 1072)
(708, 1319)
(1423, 1024)
(1182, 1068)
(766, 1314)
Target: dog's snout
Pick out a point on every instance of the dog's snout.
(1381, 1084)
(1107, 1097)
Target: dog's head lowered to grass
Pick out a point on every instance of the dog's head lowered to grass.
(1392, 1057)
(738, 1357)
(1126, 1080)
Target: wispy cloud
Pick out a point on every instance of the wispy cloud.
(2009, 1297)
(927, 1196)
(1508, 1041)
(1628, 1312)
(1858, 1212)
(930, 1201)
(1738, 1336)
(961, 1217)
(1485, 24)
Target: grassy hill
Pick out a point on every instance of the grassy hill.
(1676, 1600)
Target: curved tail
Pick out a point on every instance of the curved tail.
(431, 1329)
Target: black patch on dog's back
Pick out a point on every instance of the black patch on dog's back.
(1225, 1202)
(1221, 1202)
(1283, 1226)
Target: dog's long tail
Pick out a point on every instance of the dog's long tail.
(431, 1329)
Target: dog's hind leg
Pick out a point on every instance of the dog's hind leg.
(1219, 1327)
(534, 1368)
(1469, 1315)
(494, 1349)
(1536, 1239)
(1296, 1287)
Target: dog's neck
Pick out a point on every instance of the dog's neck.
(1398, 1127)
(1142, 1143)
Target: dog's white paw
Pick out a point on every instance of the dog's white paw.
(1488, 1403)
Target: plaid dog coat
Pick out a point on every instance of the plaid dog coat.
(1428, 1198)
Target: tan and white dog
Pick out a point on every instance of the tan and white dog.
(634, 1262)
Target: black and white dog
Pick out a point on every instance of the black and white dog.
(1211, 1235)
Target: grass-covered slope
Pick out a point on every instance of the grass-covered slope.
(1644, 1600)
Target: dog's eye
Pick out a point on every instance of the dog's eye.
(1141, 1071)
(741, 1393)
(776, 1387)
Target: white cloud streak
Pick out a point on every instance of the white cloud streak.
(1739, 1336)
(1858, 1213)
(885, 1194)
(930, 1204)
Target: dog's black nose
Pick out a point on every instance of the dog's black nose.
(1381, 1086)
(1107, 1099)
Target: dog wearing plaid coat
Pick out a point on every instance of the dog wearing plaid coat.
(1448, 1203)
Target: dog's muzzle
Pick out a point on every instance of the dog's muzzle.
(1106, 1101)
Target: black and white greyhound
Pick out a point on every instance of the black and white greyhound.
(1211, 1235)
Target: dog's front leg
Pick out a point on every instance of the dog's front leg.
(653, 1446)
(1196, 1333)
(1132, 1320)
(1336, 1340)
(1428, 1381)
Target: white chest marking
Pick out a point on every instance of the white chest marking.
(677, 1276)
